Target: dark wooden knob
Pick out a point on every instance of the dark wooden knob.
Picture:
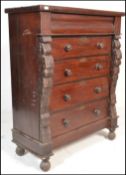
(67, 97)
(68, 47)
(67, 72)
(97, 112)
(66, 123)
(98, 66)
(98, 90)
(100, 45)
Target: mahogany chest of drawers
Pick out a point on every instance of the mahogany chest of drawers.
(64, 67)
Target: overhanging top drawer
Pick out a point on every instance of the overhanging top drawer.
(70, 24)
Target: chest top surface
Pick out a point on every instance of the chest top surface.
(65, 10)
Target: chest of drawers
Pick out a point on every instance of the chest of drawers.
(64, 67)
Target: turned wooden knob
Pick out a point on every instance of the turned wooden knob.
(100, 45)
(66, 123)
(67, 72)
(97, 112)
(67, 97)
(98, 66)
(68, 47)
(98, 90)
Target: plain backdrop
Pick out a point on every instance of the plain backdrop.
(94, 154)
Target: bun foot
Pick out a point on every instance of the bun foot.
(20, 151)
(45, 165)
(111, 135)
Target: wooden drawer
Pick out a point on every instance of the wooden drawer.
(70, 24)
(80, 132)
(65, 121)
(67, 95)
(70, 47)
(82, 68)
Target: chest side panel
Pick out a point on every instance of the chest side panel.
(25, 72)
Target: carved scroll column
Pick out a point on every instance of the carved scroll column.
(47, 67)
(116, 61)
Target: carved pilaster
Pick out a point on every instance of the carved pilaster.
(116, 61)
(47, 67)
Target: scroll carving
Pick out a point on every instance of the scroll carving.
(116, 61)
(47, 67)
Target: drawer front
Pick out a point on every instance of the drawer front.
(67, 95)
(82, 68)
(65, 121)
(68, 24)
(80, 132)
(71, 47)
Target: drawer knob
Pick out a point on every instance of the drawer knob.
(100, 45)
(97, 112)
(67, 72)
(68, 47)
(67, 97)
(98, 90)
(99, 66)
(66, 123)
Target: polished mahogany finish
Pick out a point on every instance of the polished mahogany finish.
(78, 116)
(80, 46)
(79, 132)
(81, 68)
(64, 69)
(78, 24)
(68, 95)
